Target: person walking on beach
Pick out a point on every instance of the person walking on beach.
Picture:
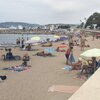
(93, 35)
(82, 40)
(71, 42)
(22, 42)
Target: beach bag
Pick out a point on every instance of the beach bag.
(3, 77)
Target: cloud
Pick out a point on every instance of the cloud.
(47, 11)
(62, 5)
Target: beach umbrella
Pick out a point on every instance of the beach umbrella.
(33, 40)
(36, 38)
(56, 37)
(91, 53)
(62, 38)
(49, 50)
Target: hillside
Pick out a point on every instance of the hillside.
(16, 24)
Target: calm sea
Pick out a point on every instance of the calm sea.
(11, 38)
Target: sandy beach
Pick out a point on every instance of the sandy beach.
(33, 84)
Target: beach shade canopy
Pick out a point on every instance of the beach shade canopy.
(91, 53)
(49, 50)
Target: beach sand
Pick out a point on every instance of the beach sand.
(33, 84)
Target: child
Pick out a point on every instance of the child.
(25, 59)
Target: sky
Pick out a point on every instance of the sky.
(47, 11)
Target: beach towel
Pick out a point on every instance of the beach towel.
(63, 88)
(71, 59)
(16, 68)
(67, 68)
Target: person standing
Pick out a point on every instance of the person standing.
(71, 57)
(19, 41)
(82, 40)
(94, 64)
(93, 35)
(71, 42)
(22, 42)
(67, 54)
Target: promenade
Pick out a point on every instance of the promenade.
(27, 31)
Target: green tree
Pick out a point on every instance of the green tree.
(93, 19)
(64, 26)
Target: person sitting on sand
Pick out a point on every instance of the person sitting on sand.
(94, 63)
(42, 53)
(71, 43)
(25, 59)
(9, 55)
(49, 44)
(90, 65)
(85, 66)
(28, 47)
(77, 65)
(58, 50)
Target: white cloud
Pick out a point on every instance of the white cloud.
(47, 11)
(62, 5)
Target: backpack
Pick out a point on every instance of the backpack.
(3, 77)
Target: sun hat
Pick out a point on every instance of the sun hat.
(80, 59)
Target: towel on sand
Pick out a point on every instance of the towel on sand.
(67, 68)
(63, 88)
(16, 68)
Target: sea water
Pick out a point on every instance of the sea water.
(11, 38)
